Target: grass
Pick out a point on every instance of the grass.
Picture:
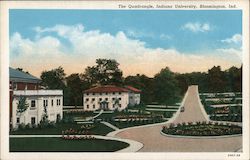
(99, 129)
(61, 145)
(121, 124)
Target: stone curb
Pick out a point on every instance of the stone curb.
(200, 137)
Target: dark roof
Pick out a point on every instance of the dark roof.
(133, 89)
(19, 76)
(106, 89)
(111, 88)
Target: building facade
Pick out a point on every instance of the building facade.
(110, 97)
(26, 91)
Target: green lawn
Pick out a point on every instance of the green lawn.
(99, 129)
(61, 145)
(121, 125)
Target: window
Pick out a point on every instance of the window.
(120, 98)
(15, 86)
(120, 92)
(86, 99)
(93, 93)
(18, 120)
(100, 93)
(100, 99)
(93, 99)
(33, 103)
(33, 120)
(113, 92)
(113, 105)
(113, 99)
(93, 106)
(52, 102)
(120, 105)
(106, 93)
(87, 94)
(87, 106)
(59, 102)
(106, 99)
(45, 102)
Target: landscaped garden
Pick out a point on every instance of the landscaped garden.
(57, 129)
(201, 129)
(223, 106)
(53, 144)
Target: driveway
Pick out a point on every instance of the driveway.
(153, 141)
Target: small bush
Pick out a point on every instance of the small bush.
(21, 126)
(28, 126)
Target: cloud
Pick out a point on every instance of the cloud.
(237, 39)
(47, 52)
(165, 37)
(196, 27)
(139, 34)
(230, 53)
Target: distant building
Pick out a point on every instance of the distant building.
(38, 100)
(110, 97)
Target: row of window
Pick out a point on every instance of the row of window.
(100, 99)
(45, 102)
(25, 88)
(33, 119)
(106, 93)
(93, 106)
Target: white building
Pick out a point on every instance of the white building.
(26, 87)
(110, 97)
(39, 102)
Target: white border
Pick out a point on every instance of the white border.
(4, 94)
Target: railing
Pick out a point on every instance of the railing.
(37, 92)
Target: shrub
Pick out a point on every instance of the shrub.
(203, 130)
(21, 126)
(34, 126)
(28, 126)
(51, 124)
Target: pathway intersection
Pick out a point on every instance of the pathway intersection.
(153, 141)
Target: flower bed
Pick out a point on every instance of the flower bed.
(201, 129)
(231, 118)
(74, 137)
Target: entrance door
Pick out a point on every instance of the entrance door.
(33, 120)
(104, 105)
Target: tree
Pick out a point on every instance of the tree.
(216, 80)
(234, 78)
(105, 72)
(75, 86)
(53, 79)
(182, 80)
(166, 87)
(145, 84)
(22, 105)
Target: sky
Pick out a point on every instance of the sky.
(142, 41)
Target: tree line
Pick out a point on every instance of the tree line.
(166, 87)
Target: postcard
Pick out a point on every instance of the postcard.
(124, 79)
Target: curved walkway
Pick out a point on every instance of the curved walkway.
(153, 141)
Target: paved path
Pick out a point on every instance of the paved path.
(153, 141)
(110, 125)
